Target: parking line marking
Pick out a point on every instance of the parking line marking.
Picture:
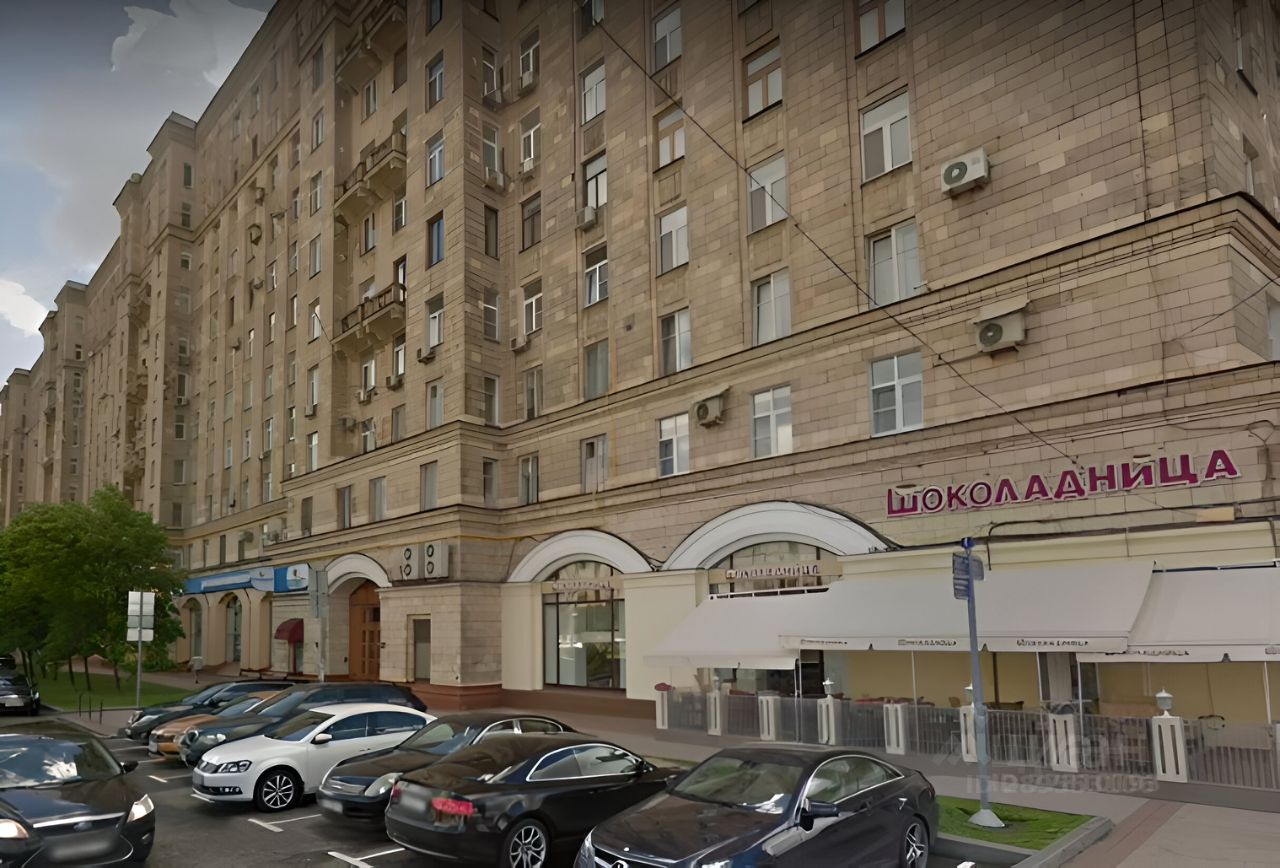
(384, 853)
(268, 826)
(359, 861)
(296, 819)
(275, 827)
(166, 780)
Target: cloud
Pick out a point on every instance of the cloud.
(19, 308)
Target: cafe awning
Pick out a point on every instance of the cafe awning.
(290, 630)
(735, 633)
(1204, 616)
(1089, 606)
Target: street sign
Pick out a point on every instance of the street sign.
(960, 587)
(141, 611)
(968, 567)
(133, 634)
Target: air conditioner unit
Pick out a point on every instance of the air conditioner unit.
(519, 343)
(182, 401)
(246, 536)
(426, 355)
(1001, 325)
(965, 171)
(264, 455)
(527, 80)
(527, 166)
(395, 381)
(309, 411)
(494, 179)
(435, 560)
(709, 411)
(255, 284)
(259, 193)
(364, 396)
(494, 97)
(587, 217)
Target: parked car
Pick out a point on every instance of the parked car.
(64, 799)
(142, 721)
(164, 738)
(784, 805)
(276, 768)
(358, 788)
(8, 661)
(514, 800)
(297, 698)
(16, 692)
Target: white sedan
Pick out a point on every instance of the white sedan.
(290, 758)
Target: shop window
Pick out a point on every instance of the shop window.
(584, 629)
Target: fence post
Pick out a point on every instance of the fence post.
(895, 728)
(714, 704)
(827, 720)
(1064, 743)
(968, 735)
(1169, 742)
(770, 708)
(662, 709)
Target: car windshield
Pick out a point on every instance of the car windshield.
(742, 783)
(297, 728)
(13, 680)
(440, 738)
(29, 760)
(280, 705)
(237, 708)
(202, 695)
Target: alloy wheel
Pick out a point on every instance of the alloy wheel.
(915, 846)
(278, 791)
(528, 848)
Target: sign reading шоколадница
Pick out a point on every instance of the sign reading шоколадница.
(1069, 485)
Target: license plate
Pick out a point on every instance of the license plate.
(11, 701)
(81, 848)
(153, 746)
(412, 802)
(329, 805)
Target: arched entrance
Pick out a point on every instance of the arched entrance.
(234, 614)
(365, 643)
(194, 628)
(584, 627)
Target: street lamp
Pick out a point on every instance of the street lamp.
(828, 687)
(1164, 702)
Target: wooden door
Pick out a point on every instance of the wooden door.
(365, 650)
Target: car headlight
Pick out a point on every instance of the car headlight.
(145, 719)
(133, 718)
(11, 830)
(382, 785)
(141, 808)
(233, 768)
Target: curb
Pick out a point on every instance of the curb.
(984, 852)
(1069, 846)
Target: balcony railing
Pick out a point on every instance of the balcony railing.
(377, 173)
(386, 306)
(375, 38)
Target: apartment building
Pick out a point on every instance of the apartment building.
(865, 278)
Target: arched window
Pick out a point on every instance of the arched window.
(195, 628)
(233, 628)
(770, 554)
(584, 627)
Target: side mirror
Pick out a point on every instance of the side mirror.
(819, 810)
(322, 738)
(129, 765)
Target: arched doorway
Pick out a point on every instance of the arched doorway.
(194, 628)
(365, 644)
(584, 627)
(234, 615)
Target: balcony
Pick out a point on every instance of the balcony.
(137, 387)
(374, 41)
(374, 320)
(375, 176)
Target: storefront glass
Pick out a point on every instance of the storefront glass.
(233, 629)
(584, 628)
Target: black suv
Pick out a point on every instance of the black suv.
(17, 693)
(214, 696)
(287, 703)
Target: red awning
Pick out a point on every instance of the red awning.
(290, 630)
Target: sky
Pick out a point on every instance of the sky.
(87, 84)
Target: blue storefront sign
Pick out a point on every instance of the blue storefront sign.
(273, 579)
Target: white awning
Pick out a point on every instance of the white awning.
(735, 633)
(1089, 606)
(1202, 616)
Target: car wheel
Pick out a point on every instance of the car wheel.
(527, 845)
(277, 790)
(914, 852)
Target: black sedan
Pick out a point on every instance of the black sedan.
(358, 788)
(142, 721)
(64, 800)
(514, 800)
(784, 805)
(18, 694)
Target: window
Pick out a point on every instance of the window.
(897, 400)
(489, 148)
(273, 279)
(179, 429)
(435, 321)
(771, 299)
(878, 20)
(267, 491)
(305, 518)
(771, 422)
(533, 307)
(184, 261)
(313, 316)
(666, 39)
(528, 480)
(188, 175)
(247, 451)
(670, 135)
(530, 139)
(314, 195)
(185, 217)
(399, 212)
(595, 452)
(235, 125)
(295, 203)
(295, 149)
(1250, 167)
(435, 404)
(529, 56)
(491, 232)
(531, 222)
(595, 380)
(183, 301)
(596, 269)
(435, 240)
(764, 79)
(767, 193)
(401, 270)
(268, 382)
(592, 13)
(593, 92)
(182, 385)
(400, 68)
(317, 68)
(673, 445)
(397, 423)
(291, 423)
(435, 158)
(490, 310)
(317, 130)
(180, 472)
(313, 387)
(397, 356)
(368, 374)
(345, 504)
(293, 257)
(313, 256)
(268, 434)
(596, 173)
(533, 392)
(677, 343)
(895, 264)
(377, 498)
(489, 481)
(427, 485)
(673, 240)
(1273, 319)
(370, 103)
(490, 386)
(292, 312)
(368, 233)
(435, 81)
(488, 71)
(435, 11)
(886, 137)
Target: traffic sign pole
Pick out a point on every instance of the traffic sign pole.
(138, 684)
(985, 816)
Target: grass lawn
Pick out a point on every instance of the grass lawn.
(61, 694)
(1024, 827)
